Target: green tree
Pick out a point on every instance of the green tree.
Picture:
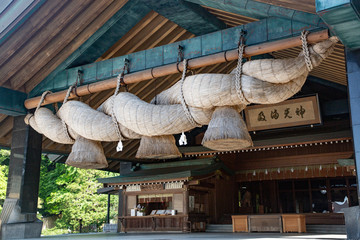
(67, 192)
(71, 193)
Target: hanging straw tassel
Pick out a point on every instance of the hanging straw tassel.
(159, 147)
(226, 131)
(87, 154)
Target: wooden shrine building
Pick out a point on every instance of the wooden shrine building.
(178, 196)
(306, 148)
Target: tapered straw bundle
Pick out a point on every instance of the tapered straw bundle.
(263, 81)
(226, 131)
(87, 154)
(158, 147)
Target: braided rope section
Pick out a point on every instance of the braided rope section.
(305, 48)
(43, 95)
(188, 115)
(118, 83)
(65, 127)
(238, 74)
(116, 124)
(68, 94)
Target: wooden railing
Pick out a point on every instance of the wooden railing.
(154, 223)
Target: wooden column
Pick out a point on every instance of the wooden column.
(121, 208)
(186, 227)
(18, 217)
(108, 210)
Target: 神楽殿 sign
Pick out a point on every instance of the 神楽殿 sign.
(294, 112)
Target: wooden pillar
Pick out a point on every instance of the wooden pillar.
(352, 214)
(108, 210)
(121, 209)
(18, 217)
(186, 226)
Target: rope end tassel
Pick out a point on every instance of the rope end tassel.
(119, 146)
(182, 140)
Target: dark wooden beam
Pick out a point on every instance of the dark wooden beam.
(115, 22)
(12, 102)
(189, 16)
(15, 14)
(122, 21)
(6, 126)
(58, 39)
(342, 18)
(86, 36)
(259, 10)
(40, 40)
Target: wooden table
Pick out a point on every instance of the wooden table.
(293, 223)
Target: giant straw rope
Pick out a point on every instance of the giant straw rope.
(201, 99)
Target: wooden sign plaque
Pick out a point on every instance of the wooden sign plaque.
(290, 113)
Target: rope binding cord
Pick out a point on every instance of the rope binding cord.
(190, 118)
(305, 48)
(238, 73)
(120, 77)
(43, 95)
(120, 82)
(72, 87)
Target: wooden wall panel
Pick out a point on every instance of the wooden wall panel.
(291, 157)
(225, 193)
(131, 203)
(327, 171)
(178, 202)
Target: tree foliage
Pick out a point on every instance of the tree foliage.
(67, 192)
(4, 161)
(71, 193)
